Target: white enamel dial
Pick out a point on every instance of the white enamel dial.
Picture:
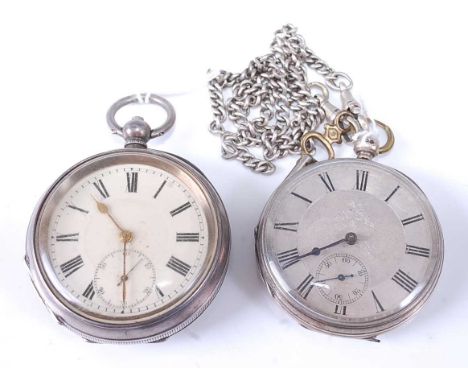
(127, 239)
(350, 242)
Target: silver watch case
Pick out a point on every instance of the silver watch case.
(366, 331)
(173, 319)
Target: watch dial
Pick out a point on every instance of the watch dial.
(126, 240)
(352, 241)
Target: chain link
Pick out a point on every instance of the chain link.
(270, 103)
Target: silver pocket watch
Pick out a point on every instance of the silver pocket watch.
(129, 245)
(348, 247)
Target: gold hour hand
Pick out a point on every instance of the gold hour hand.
(126, 236)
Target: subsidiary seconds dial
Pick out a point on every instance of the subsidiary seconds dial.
(341, 279)
(140, 279)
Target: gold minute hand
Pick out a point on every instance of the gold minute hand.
(124, 287)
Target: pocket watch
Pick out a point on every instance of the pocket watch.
(129, 245)
(347, 246)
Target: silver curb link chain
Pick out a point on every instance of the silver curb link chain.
(271, 103)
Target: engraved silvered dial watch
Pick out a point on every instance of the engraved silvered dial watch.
(347, 246)
(129, 245)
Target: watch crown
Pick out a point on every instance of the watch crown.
(366, 145)
(136, 133)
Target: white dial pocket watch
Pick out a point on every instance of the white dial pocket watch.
(129, 245)
(348, 247)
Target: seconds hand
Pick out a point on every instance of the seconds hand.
(126, 276)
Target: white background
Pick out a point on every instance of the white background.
(62, 64)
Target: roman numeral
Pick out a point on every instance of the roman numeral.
(418, 251)
(286, 226)
(160, 292)
(301, 197)
(413, 219)
(67, 237)
(132, 181)
(327, 181)
(178, 266)
(288, 258)
(89, 291)
(340, 309)
(361, 180)
(378, 306)
(180, 209)
(392, 193)
(159, 189)
(405, 281)
(101, 188)
(71, 266)
(77, 208)
(187, 236)
(305, 286)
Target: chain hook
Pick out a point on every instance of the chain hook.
(334, 133)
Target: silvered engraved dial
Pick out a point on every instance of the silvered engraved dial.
(126, 239)
(350, 241)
